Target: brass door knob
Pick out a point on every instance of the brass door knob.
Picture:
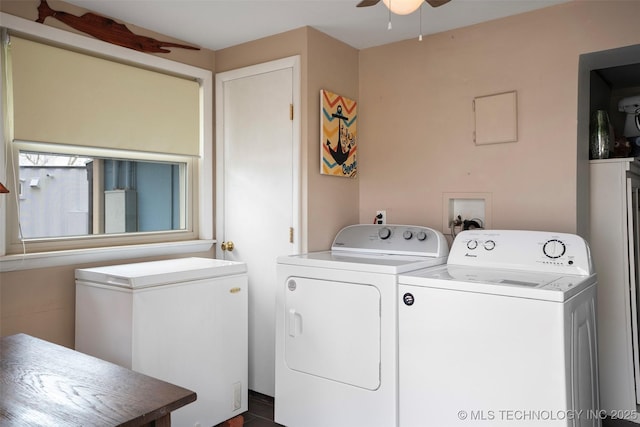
(227, 246)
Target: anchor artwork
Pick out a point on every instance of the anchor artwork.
(338, 138)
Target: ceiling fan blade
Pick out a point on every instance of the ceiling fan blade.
(436, 3)
(367, 3)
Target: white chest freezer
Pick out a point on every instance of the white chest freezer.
(182, 320)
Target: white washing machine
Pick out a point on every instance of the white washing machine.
(503, 334)
(336, 325)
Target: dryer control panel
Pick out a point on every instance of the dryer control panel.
(391, 239)
(522, 250)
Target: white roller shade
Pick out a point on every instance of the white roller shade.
(66, 97)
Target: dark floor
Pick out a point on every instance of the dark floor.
(260, 414)
(617, 423)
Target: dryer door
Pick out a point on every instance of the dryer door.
(332, 330)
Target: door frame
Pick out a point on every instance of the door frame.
(292, 62)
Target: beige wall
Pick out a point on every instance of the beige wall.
(415, 131)
(41, 302)
(416, 121)
(332, 201)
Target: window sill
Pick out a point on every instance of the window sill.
(82, 256)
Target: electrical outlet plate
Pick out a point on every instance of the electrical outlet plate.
(381, 217)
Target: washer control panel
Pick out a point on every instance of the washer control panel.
(391, 239)
(522, 250)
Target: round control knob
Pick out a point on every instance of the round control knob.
(554, 248)
(472, 244)
(421, 235)
(407, 235)
(384, 233)
(489, 245)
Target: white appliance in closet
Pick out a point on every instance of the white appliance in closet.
(614, 242)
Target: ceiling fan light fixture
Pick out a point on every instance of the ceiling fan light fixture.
(403, 7)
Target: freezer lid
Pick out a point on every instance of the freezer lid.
(154, 273)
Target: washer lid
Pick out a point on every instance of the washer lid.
(516, 283)
(154, 273)
(365, 262)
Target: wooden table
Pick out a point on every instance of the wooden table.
(44, 384)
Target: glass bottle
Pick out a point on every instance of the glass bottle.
(600, 135)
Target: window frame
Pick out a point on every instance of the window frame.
(198, 237)
(43, 244)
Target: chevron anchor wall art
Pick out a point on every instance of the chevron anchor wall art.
(338, 135)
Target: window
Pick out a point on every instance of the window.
(79, 196)
(113, 151)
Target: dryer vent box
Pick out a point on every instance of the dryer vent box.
(468, 206)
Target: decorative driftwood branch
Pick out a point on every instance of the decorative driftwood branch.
(107, 29)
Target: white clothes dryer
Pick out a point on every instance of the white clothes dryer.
(336, 325)
(503, 334)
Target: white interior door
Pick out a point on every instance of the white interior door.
(257, 191)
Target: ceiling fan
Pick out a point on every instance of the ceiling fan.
(403, 7)
(432, 3)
